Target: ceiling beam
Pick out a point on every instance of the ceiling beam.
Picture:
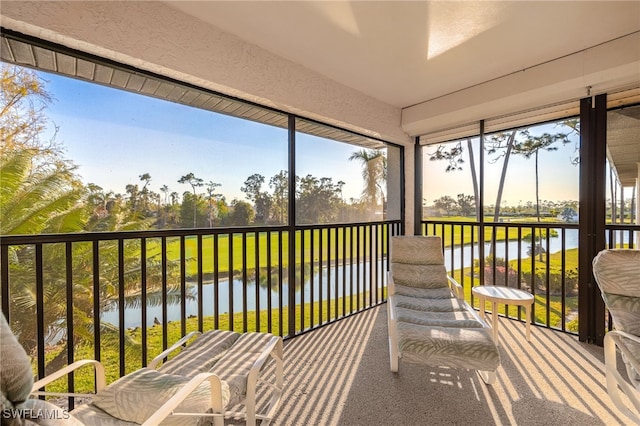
(609, 66)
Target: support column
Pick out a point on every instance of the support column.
(593, 136)
(417, 188)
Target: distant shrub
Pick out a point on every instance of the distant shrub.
(555, 281)
(503, 276)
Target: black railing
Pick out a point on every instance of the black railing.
(538, 257)
(541, 258)
(622, 236)
(66, 294)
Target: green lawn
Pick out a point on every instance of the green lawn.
(211, 250)
(472, 233)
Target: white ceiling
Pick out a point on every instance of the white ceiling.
(407, 52)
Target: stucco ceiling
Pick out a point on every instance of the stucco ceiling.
(404, 53)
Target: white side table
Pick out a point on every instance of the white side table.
(509, 296)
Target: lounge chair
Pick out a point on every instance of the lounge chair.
(617, 272)
(429, 321)
(186, 390)
(239, 360)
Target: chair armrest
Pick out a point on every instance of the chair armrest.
(274, 349)
(626, 335)
(458, 291)
(391, 303)
(99, 372)
(391, 285)
(167, 408)
(617, 336)
(158, 359)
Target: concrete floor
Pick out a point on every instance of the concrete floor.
(339, 375)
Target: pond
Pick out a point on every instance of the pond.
(502, 247)
(133, 316)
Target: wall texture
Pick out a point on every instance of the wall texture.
(154, 37)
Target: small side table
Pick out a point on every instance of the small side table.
(509, 296)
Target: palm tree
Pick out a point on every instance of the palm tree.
(531, 147)
(192, 180)
(34, 202)
(374, 174)
(53, 202)
(146, 178)
(39, 194)
(211, 197)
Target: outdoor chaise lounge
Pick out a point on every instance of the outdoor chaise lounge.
(617, 272)
(428, 319)
(216, 371)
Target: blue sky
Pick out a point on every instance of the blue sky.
(114, 136)
(558, 177)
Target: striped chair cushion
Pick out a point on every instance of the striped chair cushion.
(425, 293)
(460, 319)
(469, 348)
(89, 414)
(417, 250)
(16, 376)
(235, 364)
(138, 395)
(625, 312)
(201, 355)
(429, 305)
(617, 273)
(421, 276)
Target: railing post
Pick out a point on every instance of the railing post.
(292, 228)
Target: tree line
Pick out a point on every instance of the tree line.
(465, 205)
(318, 200)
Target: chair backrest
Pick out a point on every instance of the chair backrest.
(417, 261)
(617, 272)
(16, 376)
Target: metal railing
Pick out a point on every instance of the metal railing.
(622, 236)
(137, 290)
(541, 258)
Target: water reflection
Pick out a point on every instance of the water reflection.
(330, 282)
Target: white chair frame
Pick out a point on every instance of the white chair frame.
(616, 383)
(166, 410)
(273, 350)
(488, 377)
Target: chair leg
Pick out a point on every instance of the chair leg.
(616, 383)
(393, 340)
(394, 359)
(489, 377)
